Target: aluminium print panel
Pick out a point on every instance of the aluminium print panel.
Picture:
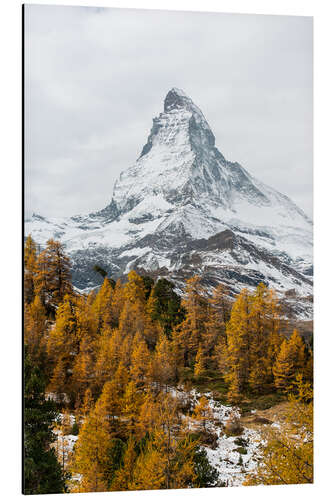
(168, 268)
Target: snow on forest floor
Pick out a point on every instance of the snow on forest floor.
(231, 465)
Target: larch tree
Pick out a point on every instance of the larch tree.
(140, 360)
(218, 315)
(102, 305)
(108, 355)
(117, 303)
(63, 345)
(289, 362)
(130, 406)
(265, 340)
(83, 368)
(134, 289)
(193, 326)
(53, 277)
(35, 329)
(124, 476)
(30, 269)
(199, 367)
(164, 363)
(238, 346)
(148, 473)
(91, 451)
(132, 318)
(203, 413)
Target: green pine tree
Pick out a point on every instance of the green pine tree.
(42, 471)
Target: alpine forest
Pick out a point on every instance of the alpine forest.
(137, 385)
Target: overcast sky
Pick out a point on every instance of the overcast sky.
(95, 78)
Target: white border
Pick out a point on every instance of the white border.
(10, 289)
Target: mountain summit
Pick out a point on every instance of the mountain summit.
(182, 209)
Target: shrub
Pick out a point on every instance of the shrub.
(241, 450)
(233, 426)
(241, 442)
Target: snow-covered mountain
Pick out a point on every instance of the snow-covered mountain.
(181, 209)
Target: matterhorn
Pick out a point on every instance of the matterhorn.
(182, 209)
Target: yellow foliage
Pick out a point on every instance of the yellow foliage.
(287, 452)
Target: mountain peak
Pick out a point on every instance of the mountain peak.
(176, 99)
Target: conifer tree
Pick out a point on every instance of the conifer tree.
(63, 345)
(289, 362)
(121, 379)
(130, 405)
(53, 278)
(148, 473)
(164, 363)
(35, 329)
(140, 360)
(203, 413)
(134, 289)
(132, 318)
(238, 346)
(83, 368)
(117, 303)
(164, 305)
(108, 355)
(30, 268)
(91, 451)
(87, 404)
(148, 415)
(42, 471)
(199, 366)
(124, 476)
(102, 305)
(263, 325)
(195, 305)
(218, 316)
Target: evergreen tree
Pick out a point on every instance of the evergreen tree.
(124, 476)
(164, 305)
(206, 475)
(42, 471)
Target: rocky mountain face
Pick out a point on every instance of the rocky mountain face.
(183, 209)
